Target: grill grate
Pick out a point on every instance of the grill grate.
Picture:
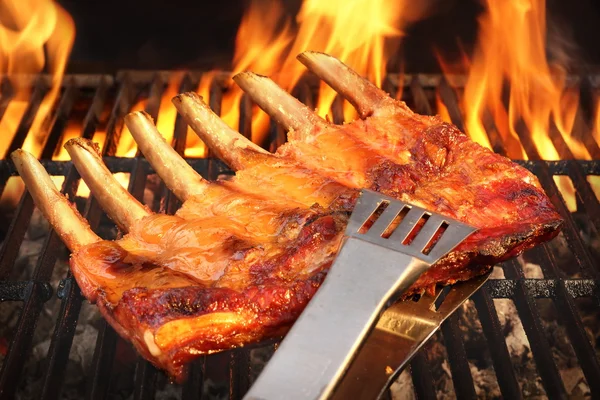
(563, 285)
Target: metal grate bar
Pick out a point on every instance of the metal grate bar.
(181, 127)
(193, 388)
(585, 115)
(559, 143)
(420, 100)
(17, 291)
(121, 107)
(584, 259)
(532, 325)
(217, 366)
(571, 320)
(527, 140)
(493, 134)
(15, 235)
(217, 87)
(104, 354)
(67, 101)
(171, 204)
(239, 359)
(62, 339)
(505, 373)
(39, 91)
(457, 357)
(542, 288)
(107, 338)
(245, 120)
(20, 346)
(145, 376)
(157, 87)
(7, 93)
(92, 117)
(421, 377)
(37, 96)
(450, 99)
(585, 194)
(388, 86)
(145, 380)
(239, 372)
(584, 350)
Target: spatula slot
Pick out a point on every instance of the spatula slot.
(435, 238)
(395, 222)
(416, 229)
(364, 228)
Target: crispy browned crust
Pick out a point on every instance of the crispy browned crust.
(277, 291)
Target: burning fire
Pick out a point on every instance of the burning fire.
(27, 29)
(510, 83)
(539, 99)
(362, 33)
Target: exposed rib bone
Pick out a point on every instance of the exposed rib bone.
(278, 103)
(72, 228)
(364, 96)
(177, 174)
(229, 145)
(118, 203)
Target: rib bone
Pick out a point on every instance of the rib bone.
(278, 103)
(229, 145)
(117, 202)
(177, 174)
(364, 96)
(73, 230)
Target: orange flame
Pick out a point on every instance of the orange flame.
(165, 120)
(27, 27)
(30, 29)
(362, 33)
(513, 54)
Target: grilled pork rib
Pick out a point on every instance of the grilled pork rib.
(242, 257)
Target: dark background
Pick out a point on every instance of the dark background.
(170, 34)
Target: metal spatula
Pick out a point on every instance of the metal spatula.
(389, 245)
(400, 333)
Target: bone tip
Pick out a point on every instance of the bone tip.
(82, 143)
(247, 75)
(188, 96)
(18, 155)
(310, 56)
(139, 115)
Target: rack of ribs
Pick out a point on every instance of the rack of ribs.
(242, 257)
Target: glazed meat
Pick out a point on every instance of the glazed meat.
(243, 256)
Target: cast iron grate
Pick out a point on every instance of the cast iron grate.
(118, 94)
